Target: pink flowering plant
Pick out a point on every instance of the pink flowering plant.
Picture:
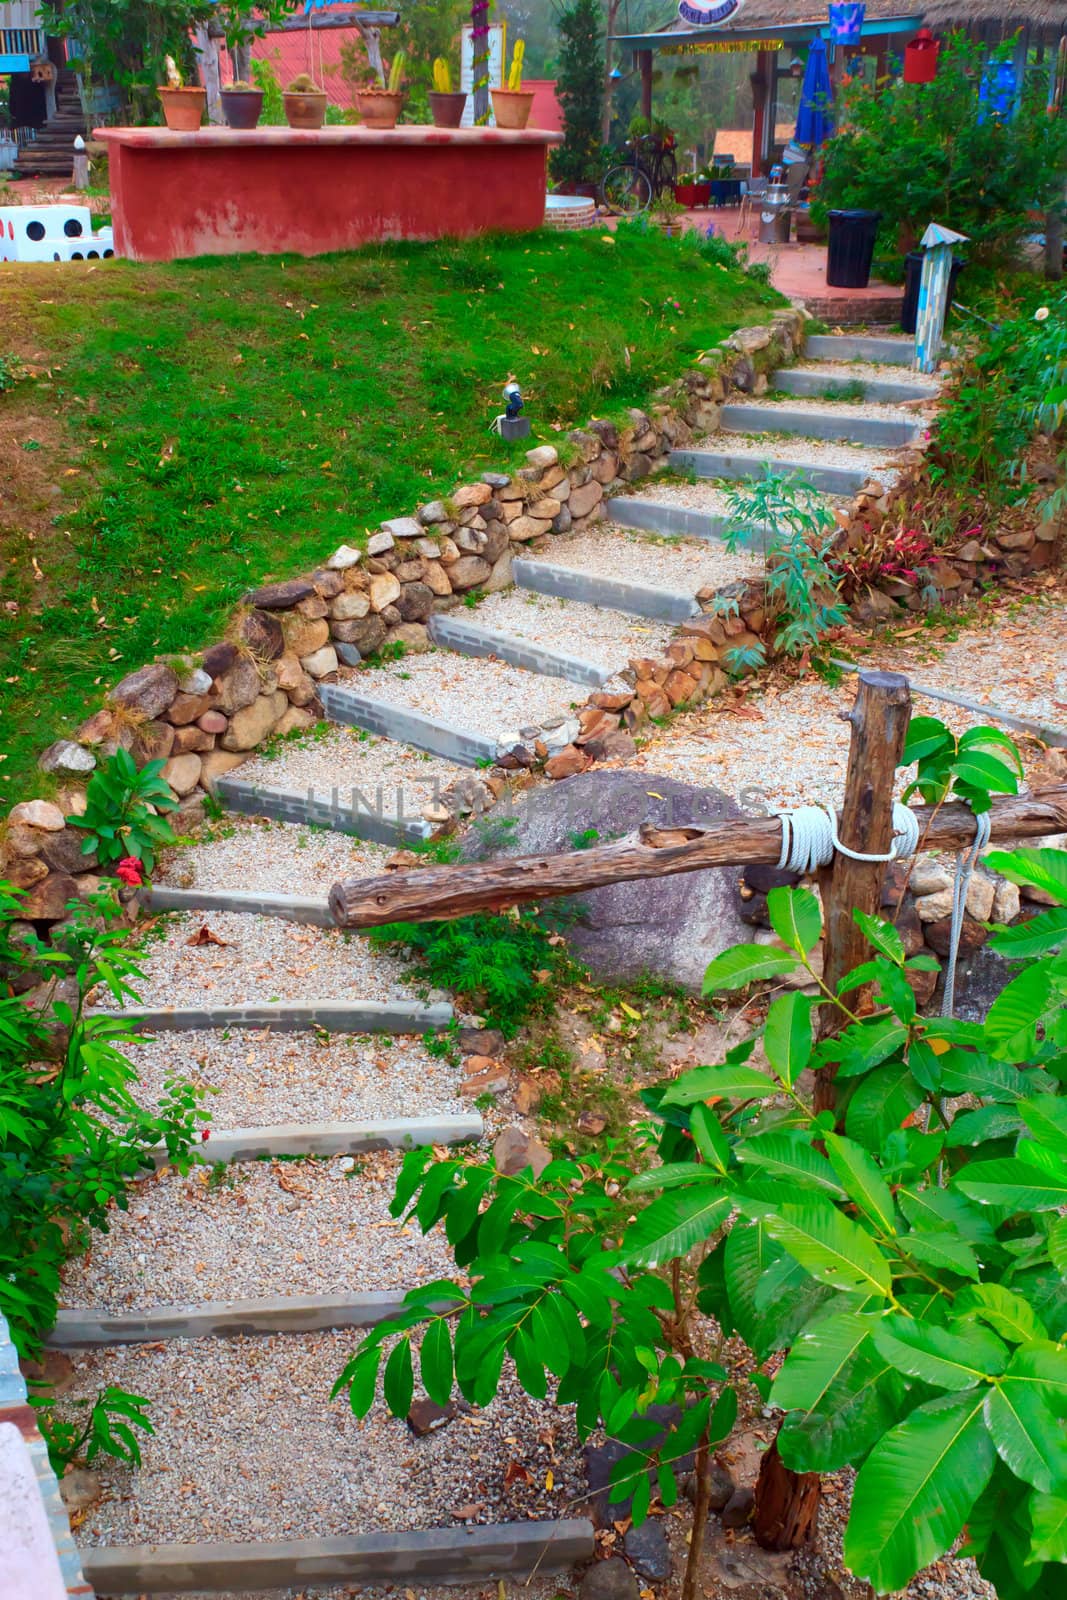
(124, 820)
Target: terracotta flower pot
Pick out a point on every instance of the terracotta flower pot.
(305, 110)
(241, 107)
(512, 107)
(379, 108)
(448, 108)
(183, 108)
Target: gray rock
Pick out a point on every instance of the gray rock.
(399, 528)
(433, 511)
(281, 596)
(514, 1150)
(66, 756)
(496, 480)
(609, 1580)
(343, 557)
(738, 1509)
(379, 543)
(195, 682)
(426, 1417)
(646, 1548)
(347, 654)
(672, 927)
(149, 690)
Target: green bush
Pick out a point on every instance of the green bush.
(121, 816)
(580, 87)
(928, 152)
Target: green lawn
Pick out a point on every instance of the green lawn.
(196, 427)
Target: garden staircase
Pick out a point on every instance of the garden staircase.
(51, 154)
(329, 1064)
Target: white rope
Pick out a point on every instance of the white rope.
(966, 862)
(810, 838)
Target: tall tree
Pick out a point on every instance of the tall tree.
(580, 90)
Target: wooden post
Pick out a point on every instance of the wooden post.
(879, 721)
(786, 1512)
(645, 59)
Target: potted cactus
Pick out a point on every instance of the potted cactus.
(380, 108)
(241, 104)
(305, 103)
(446, 105)
(512, 105)
(183, 108)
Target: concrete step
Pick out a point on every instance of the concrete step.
(287, 907)
(306, 1313)
(636, 599)
(820, 385)
(471, 639)
(406, 726)
(362, 814)
(860, 347)
(722, 464)
(836, 423)
(337, 1138)
(331, 1016)
(677, 522)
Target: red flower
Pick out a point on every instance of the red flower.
(129, 870)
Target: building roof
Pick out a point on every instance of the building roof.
(1003, 16)
(788, 21)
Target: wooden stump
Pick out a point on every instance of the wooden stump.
(787, 1504)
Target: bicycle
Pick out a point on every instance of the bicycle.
(629, 188)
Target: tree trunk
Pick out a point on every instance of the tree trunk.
(372, 42)
(609, 41)
(1054, 241)
(787, 1504)
(208, 62)
(701, 1507)
(480, 61)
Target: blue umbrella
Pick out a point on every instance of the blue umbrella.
(815, 119)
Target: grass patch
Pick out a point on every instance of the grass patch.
(204, 425)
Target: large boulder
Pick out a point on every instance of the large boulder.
(671, 927)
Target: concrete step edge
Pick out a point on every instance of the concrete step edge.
(831, 424)
(449, 1555)
(363, 817)
(333, 1016)
(81, 1327)
(635, 599)
(721, 464)
(406, 726)
(859, 347)
(286, 907)
(471, 639)
(335, 1138)
(677, 522)
(813, 384)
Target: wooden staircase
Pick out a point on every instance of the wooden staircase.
(51, 155)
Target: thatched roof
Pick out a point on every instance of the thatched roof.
(779, 13)
(1005, 15)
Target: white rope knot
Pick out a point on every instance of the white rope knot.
(810, 838)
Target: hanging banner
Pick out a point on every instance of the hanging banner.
(721, 47)
(709, 13)
(846, 21)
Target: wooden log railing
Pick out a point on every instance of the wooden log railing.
(437, 894)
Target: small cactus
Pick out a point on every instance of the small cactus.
(515, 75)
(396, 72)
(174, 77)
(442, 76)
(239, 86)
(303, 83)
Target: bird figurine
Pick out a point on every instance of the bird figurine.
(512, 406)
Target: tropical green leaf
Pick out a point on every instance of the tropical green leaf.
(914, 1491)
(1029, 1439)
(673, 1224)
(862, 1045)
(831, 1248)
(1013, 1017)
(945, 1251)
(863, 1181)
(979, 770)
(1005, 1311)
(1043, 1366)
(790, 1154)
(945, 1358)
(435, 1362)
(863, 1403)
(1043, 868)
(399, 1381)
(743, 964)
(881, 1103)
(726, 1082)
(882, 936)
(787, 1037)
(1013, 1183)
(709, 1137)
(1037, 937)
(1048, 1517)
(962, 1073)
(795, 917)
(1057, 1245)
(817, 1360)
(925, 736)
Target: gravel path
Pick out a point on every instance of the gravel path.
(706, 494)
(258, 1228)
(350, 758)
(261, 1079)
(635, 557)
(839, 372)
(790, 745)
(839, 410)
(260, 959)
(605, 637)
(806, 453)
(484, 696)
(255, 854)
(249, 1445)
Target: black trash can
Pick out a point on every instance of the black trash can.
(913, 273)
(852, 236)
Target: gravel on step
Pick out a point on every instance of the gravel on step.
(257, 1228)
(878, 464)
(351, 758)
(261, 1079)
(258, 856)
(607, 638)
(259, 960)
(705, 494)
(485, 696)
(842, 372)
(249, 1445)
(840, 410)
(649, 558)
(790, 746)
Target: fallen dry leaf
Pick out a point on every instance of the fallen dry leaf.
(204, 935)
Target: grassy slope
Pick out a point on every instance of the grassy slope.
(202, 425)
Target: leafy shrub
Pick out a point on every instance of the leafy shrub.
(907, 1249)
(122, 811)
(580, 86)
(503, 964)
(108, 1429)
(801, 580)
(921, 151)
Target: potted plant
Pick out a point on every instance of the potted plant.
(380, 108)
(446, 105)
(305, 103)
(183, 108)
(512, 105)
(241, 104)
(694, 191)
(667, 213)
